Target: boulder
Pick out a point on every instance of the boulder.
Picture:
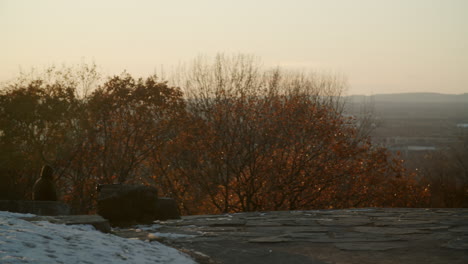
(167, 209)
(127, 204)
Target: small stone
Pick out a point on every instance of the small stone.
(29, 244)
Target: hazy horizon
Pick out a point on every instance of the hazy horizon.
(382, 47)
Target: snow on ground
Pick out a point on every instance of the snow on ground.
(42, 242)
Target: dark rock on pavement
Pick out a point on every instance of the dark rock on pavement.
(127, 204)
(167, 209)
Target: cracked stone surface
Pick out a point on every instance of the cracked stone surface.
(369, 235)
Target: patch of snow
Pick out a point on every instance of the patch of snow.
(42, 242)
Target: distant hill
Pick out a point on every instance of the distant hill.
(411, 98)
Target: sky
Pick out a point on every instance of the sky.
(381, 46)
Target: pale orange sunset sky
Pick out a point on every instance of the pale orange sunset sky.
(381, 46)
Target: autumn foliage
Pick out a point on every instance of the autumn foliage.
(233, 138)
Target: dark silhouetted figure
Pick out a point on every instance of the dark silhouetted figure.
(44, 188)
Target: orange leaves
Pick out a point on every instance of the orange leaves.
(228, 148)
(278, 152)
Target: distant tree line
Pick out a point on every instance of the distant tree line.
(232, 138)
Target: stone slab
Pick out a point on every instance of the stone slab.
(97, 221)
(35, 207)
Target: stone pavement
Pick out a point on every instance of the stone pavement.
(373, 235)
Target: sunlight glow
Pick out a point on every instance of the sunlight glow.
(381, 46)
